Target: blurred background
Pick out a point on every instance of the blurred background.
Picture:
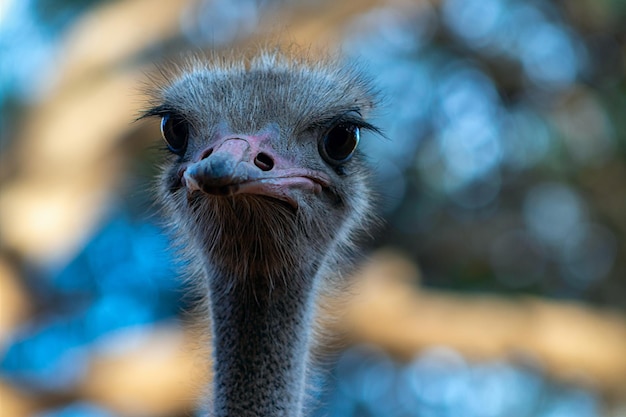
(497, 287)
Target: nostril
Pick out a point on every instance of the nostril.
(206, 153)
(264, 161)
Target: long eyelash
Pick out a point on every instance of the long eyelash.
(158, 111)
(353, 117)
(350, 116)
(361, 124)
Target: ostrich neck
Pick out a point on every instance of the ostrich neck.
(261, 331)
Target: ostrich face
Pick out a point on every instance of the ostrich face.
(291, 167)
(261, 157)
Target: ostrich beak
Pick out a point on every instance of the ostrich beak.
(240, 165)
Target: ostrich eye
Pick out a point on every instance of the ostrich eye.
(175, 131)
(339, 143)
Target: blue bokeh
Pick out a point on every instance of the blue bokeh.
(125, 276)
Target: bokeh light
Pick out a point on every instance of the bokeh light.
(501, 170)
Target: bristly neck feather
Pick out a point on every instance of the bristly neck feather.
(261, 339)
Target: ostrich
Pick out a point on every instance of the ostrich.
(266, 189)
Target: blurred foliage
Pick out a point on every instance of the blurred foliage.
(367, 383)
(505, 171)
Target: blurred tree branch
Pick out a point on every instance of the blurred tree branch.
(572, 341)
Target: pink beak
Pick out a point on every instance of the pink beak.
(241, 165)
